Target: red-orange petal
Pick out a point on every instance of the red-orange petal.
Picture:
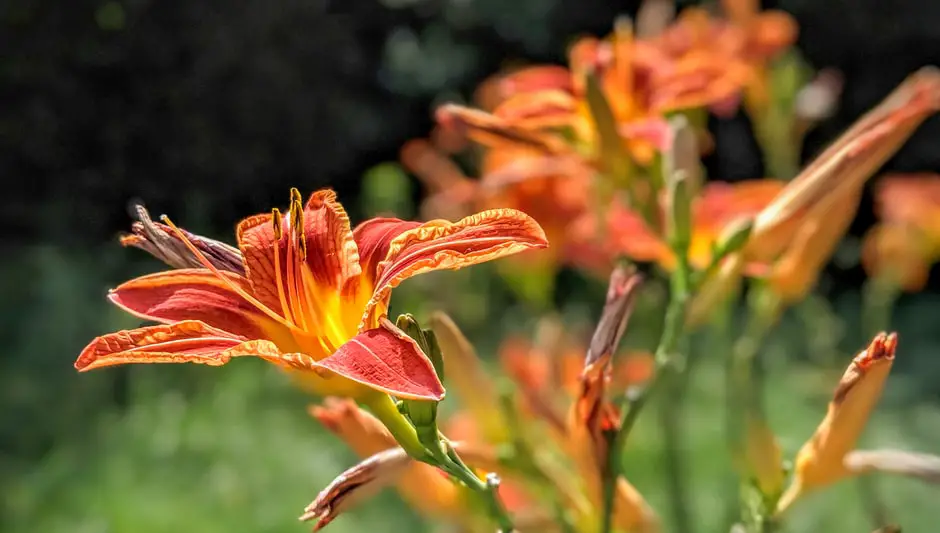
(440, 245)
(183, 342)
(332, 254)
(534, 79)
(387, 361)
(374, 237)
(190, 294)
(328, 245)
(491, 131)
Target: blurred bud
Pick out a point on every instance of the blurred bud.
(795, 273)
(469, 378)
(163, 243)
(821, 460)
(715, 289)
(356, 485)
(680, 211)
(591, 418)
(734, 237)
(614, 158)
(763, 458)
(819, 99)
(653, 17)
(684, 153)
(896, 254)
(837, 176)
(921, 466)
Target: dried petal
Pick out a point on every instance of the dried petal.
(163, 243)
(356, 485)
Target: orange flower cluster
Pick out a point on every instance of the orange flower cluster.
(545, 133)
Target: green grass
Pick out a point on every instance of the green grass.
(240, 454)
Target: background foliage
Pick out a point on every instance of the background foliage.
(210, 110)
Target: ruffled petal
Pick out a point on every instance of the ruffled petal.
(183, 342)
(440, 245)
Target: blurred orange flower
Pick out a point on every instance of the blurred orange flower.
(747, 36)
(906, 242)
(720, 207)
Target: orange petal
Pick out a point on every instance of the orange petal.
(543, 109)
(490, 130)
(190, 294)
(536, 79)
(183, 342)
(897, 253)
(374, 237)
(332, 254)
(632, 237)
(387, 361)
(440, 245)
(316, 236)
(911, 200)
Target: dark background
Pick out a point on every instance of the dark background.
(210, 110)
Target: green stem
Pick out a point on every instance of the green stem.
(430, 448)
(668, 363)
(384, 408)
(744, 389)
(488, 489)
(879, 296)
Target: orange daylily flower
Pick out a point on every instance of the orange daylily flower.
(748, 35)
(718, 208)
(907, 240)
(311, 296)
(821, 460)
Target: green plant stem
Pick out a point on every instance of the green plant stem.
(669, 364)
(428, 446)
(878, 297)
(384, 408)
(744, 390)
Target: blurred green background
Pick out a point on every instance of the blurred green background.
(210, 110)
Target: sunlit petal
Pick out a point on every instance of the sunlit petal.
(183, 342)
(387, 361)
(440, 245)
(191, 294)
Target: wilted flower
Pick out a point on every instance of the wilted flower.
(906, 242)
(821, 461)
(592, 419)
(355, 485)
(311, 296)
(422, 486)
